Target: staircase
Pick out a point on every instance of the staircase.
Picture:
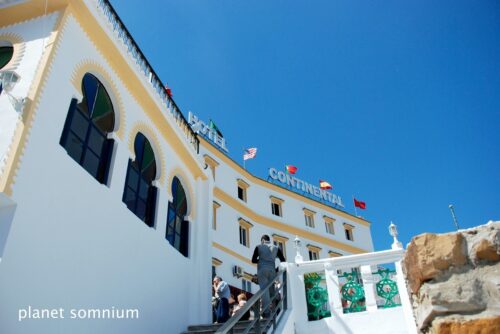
(240, 327)
(257, 324)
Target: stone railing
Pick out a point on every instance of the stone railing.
(363, 293)
(142, 65)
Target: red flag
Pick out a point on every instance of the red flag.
(359, 204)
(291, 169)
(168, 90)
(324, 185)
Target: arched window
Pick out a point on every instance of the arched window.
(139, 193)
(6, 53)
(177, 227)
(87, 125)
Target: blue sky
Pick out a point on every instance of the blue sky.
(394, 102)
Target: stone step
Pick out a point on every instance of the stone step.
(211, 331)
(240, 324)
(212, 328)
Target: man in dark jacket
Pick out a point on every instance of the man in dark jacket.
(265, 256)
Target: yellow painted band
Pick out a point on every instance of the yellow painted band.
(278, 226)
(232, 253)
(134, 84)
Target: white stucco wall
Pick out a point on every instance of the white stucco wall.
(74, 244)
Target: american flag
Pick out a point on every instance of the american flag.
(250, 153)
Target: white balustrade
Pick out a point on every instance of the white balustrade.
(364, 314)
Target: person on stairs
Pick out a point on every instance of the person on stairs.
(265, 256)
(242, 300)
(222, 293)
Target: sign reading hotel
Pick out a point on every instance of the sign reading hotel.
(308, 188)
(199, 126)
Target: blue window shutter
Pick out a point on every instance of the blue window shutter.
(184, 238)
(151, 208)
(126, 180)
(69, 117)
(106, 160)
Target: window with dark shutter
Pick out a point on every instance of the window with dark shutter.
(177, 227)
(6, 53)
(139, 193)
(86, 129)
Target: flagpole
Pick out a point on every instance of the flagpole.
(244, 161)
(355, 210)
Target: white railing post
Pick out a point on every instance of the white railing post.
(405, 299)
(368, 285)
(393, 231)
(400, 280)
(333, 288)
(297, 292)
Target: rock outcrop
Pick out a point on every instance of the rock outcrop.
(454, 280)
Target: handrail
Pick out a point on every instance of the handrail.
(253, 303)
(355, 260)
(145, 67)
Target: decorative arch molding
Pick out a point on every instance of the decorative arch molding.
(19, 49)
(150, 134)
(188, 189)
(96, 69)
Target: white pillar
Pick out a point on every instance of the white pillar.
(405, 300)
(200, 254)
(297, 302)
(118, 167)
(333, 288)
(164, 197)
(369, 287)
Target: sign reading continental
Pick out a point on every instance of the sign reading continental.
(298, 184)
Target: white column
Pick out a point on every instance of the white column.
(333, 288)
(200, 254)
(405, 300)
(297, 302)
(118, 167)
(369, 287)
(164, 197)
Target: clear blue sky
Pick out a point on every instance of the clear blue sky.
(394, 102)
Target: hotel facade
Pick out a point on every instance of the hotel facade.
(110, 198)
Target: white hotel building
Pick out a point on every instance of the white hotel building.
(109, 199)
(245, 207)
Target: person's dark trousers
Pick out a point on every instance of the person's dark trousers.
(266, 276)
(223, 310)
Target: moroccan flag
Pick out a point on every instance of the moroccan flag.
(291, 169)
(324, 185)
(359, 204)
(215, 128)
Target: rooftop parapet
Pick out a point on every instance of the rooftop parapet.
(147, 70)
